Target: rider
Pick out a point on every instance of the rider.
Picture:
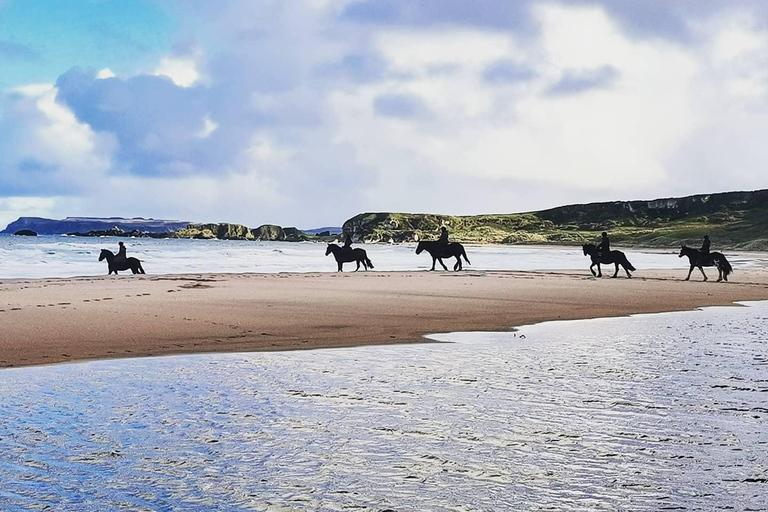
(604, 246)
(120, 252)
(443, 235)
(347, 244)
(705, 245)
(704, 251)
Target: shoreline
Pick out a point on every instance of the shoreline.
(54, 320)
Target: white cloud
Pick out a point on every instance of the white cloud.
(182, 70)
(299, 106)
(105, 73)
(209, 126)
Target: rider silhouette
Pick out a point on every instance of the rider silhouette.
(604, 247)
(704, 251)
(705, 245)
(120, 252)
(443, 235)
(347, 243)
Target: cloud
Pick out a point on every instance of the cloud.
(310, 112)
(574, 82)
(507, 71)
(45, 149)
(403, 106)
(16, 51)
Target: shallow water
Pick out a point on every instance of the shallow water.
(650, 412)
(58, 256)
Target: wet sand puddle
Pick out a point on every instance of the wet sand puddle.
(656, 412)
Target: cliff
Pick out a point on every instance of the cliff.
(732, 220)
(84, 224)
(224, 231)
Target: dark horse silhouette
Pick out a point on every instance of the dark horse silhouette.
(713, 259)
(615, 257)
(128, 263)
(344, 256)
(439, 250)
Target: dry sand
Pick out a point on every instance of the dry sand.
(54, 320)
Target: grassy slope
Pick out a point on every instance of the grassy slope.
(730, 223)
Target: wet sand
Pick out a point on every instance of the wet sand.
(55, 320)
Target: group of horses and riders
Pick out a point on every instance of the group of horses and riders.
(697, 258)
(600, 254)
(438, 249)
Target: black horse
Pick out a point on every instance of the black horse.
(344, 256)
(128, 263)
(712, 259)
(615, 257)
(439, 250)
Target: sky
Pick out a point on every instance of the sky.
(309, 112)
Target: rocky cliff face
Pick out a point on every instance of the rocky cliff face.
(735, 219)
(221, 231)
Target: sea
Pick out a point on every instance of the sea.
(67, 256)
(649, 412)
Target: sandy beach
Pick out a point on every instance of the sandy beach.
(55, 320)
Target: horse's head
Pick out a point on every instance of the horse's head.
(588, 249)
(420, 247)
(105, 254)
(329, 249)
(683, 251)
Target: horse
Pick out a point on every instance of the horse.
(713, 259)
(344, 256)
(439, 250)
(128, 263)
(615, 257)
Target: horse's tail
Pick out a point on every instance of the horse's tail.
(141, 269)
(464, 253)
(724, 265)
(368, 262)
(627, 264)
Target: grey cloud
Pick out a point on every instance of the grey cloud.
(402, 106)
(506, 71)
(575, 82)
(484, 13)
(639, 18)
(357, 67)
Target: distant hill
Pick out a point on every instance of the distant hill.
(84, 224)
(732, 220)
(316, 231)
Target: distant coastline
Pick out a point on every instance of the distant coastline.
(733, 220)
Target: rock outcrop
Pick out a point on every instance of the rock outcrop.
(25, 232)
(268, 232)
(223, 231)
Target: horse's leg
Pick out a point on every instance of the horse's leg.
(599, 271)
(433, 263)
(340, 264)
(442, 264)
(629, 276)
(689, 273)
(701, 269)
(719, 274)
(617, 270)
(358, 265)
(592, 269)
